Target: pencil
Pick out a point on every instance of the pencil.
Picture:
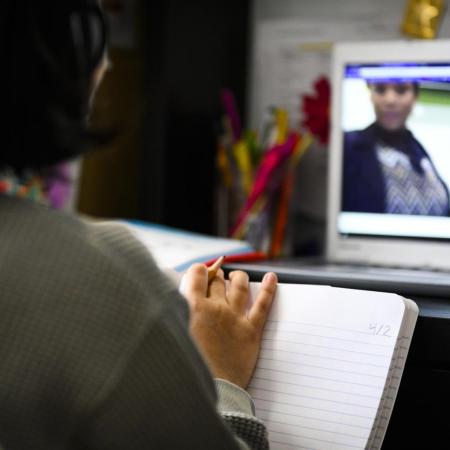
(212, 270)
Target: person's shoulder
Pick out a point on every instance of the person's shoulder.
(83, 294)
(97, 270)
(361, 139)
(49, 229)
(61, 241)
(416, 144)
(358, 135)
(352, 134)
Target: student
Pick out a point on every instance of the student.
(386, 169)
(96, 349)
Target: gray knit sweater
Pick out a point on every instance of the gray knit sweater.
(94, 346)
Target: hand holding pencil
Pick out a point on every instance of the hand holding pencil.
(225, 327)
(212, 269)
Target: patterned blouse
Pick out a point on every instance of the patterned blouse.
(407, 190)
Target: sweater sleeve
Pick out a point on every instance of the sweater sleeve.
(165, 398)
(237, 409)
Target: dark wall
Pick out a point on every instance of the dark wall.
(191, 50)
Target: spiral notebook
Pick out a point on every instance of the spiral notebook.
(330, 366)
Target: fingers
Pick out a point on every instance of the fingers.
(260, 309)
(217, 286)
(238, 291)
(195, 282)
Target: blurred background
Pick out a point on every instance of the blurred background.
(170, 59)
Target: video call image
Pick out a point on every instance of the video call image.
(396, 139)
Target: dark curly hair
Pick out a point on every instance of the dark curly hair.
(49, 50)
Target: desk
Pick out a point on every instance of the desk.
(420, 419)
(421, 412)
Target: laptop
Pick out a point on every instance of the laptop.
(388, 213)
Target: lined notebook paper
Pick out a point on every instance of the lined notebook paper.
(330, 366)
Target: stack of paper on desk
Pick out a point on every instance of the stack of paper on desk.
(178, 249)
(330, 366)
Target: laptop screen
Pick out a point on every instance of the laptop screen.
(395, 133)
(389, 164)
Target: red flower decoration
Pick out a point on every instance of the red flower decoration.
(316, 110)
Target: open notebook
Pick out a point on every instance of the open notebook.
(330, 366)
(331, 358)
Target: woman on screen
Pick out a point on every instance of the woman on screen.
(386, 169)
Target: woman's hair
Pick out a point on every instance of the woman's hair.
(49, 50)
(415, 84)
